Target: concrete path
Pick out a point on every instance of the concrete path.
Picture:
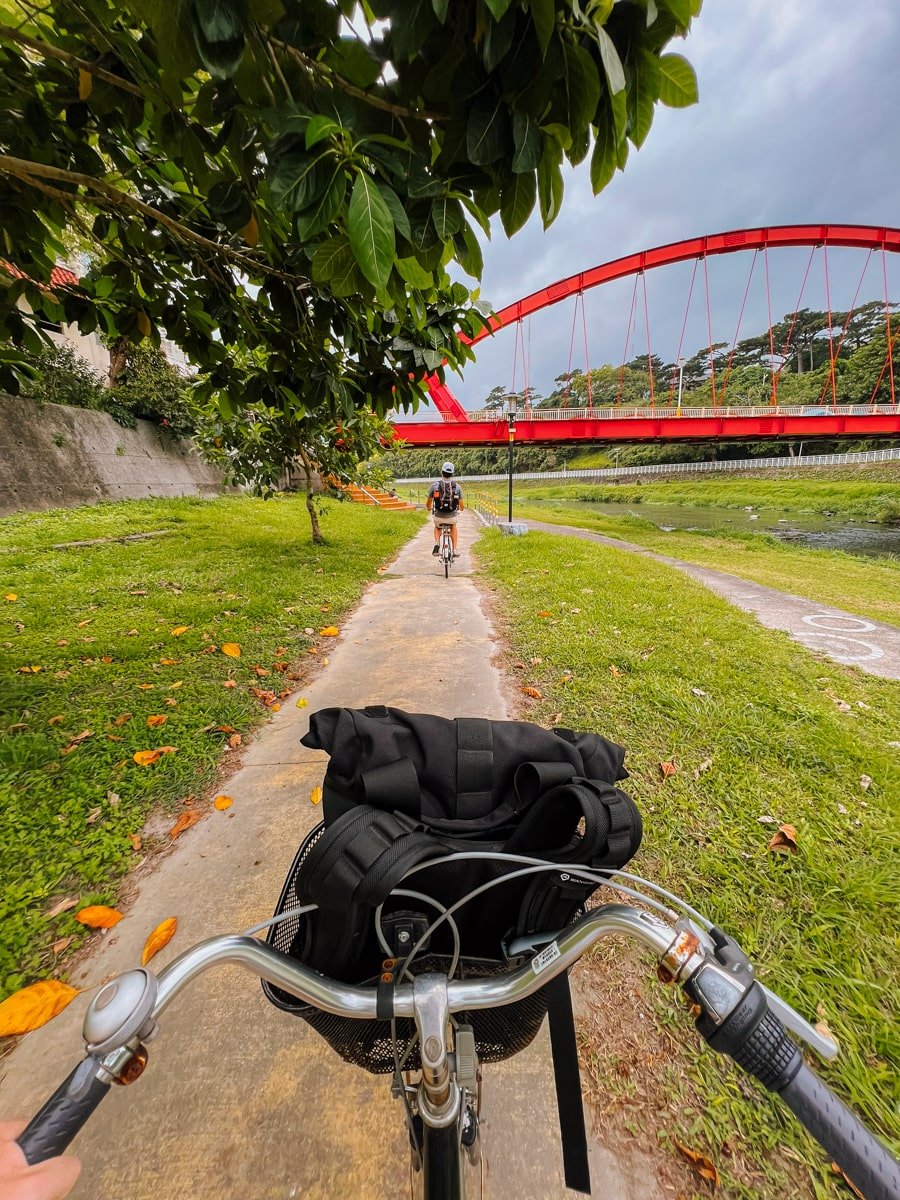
(239, 1099)
(873, 646)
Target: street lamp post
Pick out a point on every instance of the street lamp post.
(511, 422)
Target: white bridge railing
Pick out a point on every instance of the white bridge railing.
(656, 412)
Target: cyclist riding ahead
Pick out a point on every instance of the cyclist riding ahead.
(445, 503)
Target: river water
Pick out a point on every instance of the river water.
(805, 529)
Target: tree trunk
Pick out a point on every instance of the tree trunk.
(310, 502)
(118, 358)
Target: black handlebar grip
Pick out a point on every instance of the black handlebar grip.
(51, 1130)
(867, 1163)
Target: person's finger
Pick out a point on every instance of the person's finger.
(11, 1129)
(54, 1178)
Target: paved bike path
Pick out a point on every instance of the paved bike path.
(873, 646)
(240, 1099)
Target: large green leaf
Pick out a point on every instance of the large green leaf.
(468, 252)
(681, 10)
(396, 209)
(497, 40)
(516, 202)
(527, 139)
(604, 160)
(410, 271)
(326, 208)
(677, 81)
(487, 133)
(497, 7)
(319, 128)
(447, 217)
(219, 34)
(543, 13)
(296, 180)
(353, 61)
(643, 90)
(335, 265)
(550, 182)
(371, 230)
(582, 85)
(619, 104)
(612, 64)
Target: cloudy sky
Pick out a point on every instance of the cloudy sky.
(797, 123)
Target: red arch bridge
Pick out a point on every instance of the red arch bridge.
(660, 418)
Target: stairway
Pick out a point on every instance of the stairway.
(373, 496)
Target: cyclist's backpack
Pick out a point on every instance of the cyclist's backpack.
(447, 496)
(402, 789)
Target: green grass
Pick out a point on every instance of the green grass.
(98, 622)
(822, 925)
(867, 586)
(868, 499)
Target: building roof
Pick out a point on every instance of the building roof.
(59, 276)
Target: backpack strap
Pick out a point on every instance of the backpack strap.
(393, 786)
(474, 767)
(570, 1106)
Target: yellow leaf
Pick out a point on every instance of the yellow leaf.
(56, 720)
(223, 802)
(315, 796)
(701, 1164)
(154, 722)
(137, 842)
(188, 818)
(329, 631)
(276, 708)
(98, 916)
(302, 702)
(179, 630)
(145, 758)
(29, 670)
(85, 84)
(143, 324)
(177, 683)
(10, 596)
(123, 719)
(161, 936)
(169, 662)
(250, 232)
(34, 1006)
(232, 649)
(146, 687)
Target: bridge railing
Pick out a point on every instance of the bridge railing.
(653, 412)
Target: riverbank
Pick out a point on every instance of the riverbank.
(755, 734)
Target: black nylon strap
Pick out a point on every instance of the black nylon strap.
(384, 997)
(568, 1084)
(474, 767)
(393, 786)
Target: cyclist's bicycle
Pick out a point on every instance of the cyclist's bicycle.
(445, 555)
(442, 1098)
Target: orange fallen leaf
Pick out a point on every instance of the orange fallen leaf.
(156, 720)
(836, 1170)
(63, 642)
(161, 936)
(33, 1006)
(169, 662)
(145, 758)
(82, 624)
(229, 683)
(10, 596)
(122, 719)
(234, 741)
(668, 768)
(76, 741)
(533, 692)
(137, 842)
(29, 670)
(232, 649)
(312, 650)
(62, 906)
(211, 649)
(261, 671)
(545, 612)
(281, 650)
(55, 720)
(614, 670)
(315, 796)
(106, 658)
(784, 841)
(189, 817)
(329, 631)
(111, 737)
(701, 1164)
(276, 708)
(179, 630)
(146, 687)
(98, 916)
(223, 802)
(280, 666)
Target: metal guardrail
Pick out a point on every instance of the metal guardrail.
(730, 464)
(652, 412)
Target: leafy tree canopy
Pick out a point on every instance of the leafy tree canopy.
(299, 175)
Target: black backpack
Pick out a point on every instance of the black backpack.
(403, 788)
(447, 496)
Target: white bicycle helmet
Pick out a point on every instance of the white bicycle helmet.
(448, 468)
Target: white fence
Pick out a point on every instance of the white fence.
(731, 464)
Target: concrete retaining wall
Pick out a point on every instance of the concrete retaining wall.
(53, 456)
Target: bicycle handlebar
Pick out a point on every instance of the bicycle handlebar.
(735, 1020)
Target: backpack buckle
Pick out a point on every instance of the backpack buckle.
(402, 931)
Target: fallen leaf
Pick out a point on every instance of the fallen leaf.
(122, 719)
(62, 906)
(309, 631)
(106, 658)
(93, 815)
(189, 817)
(63, 642)
(169, 662)
(56, 720)
(280, 666)
(29, 670)
(325, 662)
(302, 702)
(836, 1170)
(146, 687)
(211, 649)
(865, 782)
(822, 1025)
(766, 820)
(223, 728)
(536, 662)
(145, 758)
(179, 630)
(232, 649)
(701, 1164)
(614, 670)
(155, 721)
(533, 692)
(77, 740)
(138, 592)
(161, 936)
(62, 944)
(545, 612)
(10, 596)
(113, 798)
(329, 631)
(131, 633)
(98, 916)
(702, 767)
(33, 1006)
(223, 802)
(842, 705)
(315, 796)
(281, 650)
(177, 684)
(324, 608)
(261, 671)
(234, 741)
(519, 667)
(137, 842)
(276, 708)
(698, 691)
(170, 700)
(668, 769)
(82, 624)
(312, 650)
(785, 840)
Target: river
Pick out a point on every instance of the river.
(800, 529)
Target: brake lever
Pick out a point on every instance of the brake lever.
(826, 1047)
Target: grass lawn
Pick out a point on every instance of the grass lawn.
(638, 652)
(867, 586)
(116, 634)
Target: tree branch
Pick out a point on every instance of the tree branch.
(28, 172)
(13, 35)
